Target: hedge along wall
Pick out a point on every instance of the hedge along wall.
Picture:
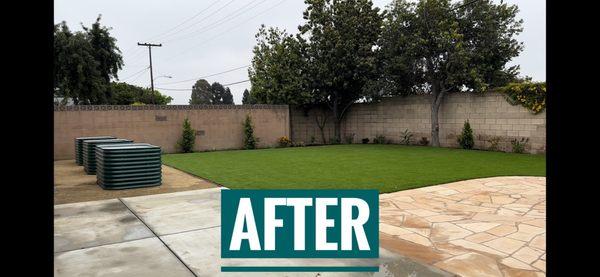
(217, 126)
(490, 116)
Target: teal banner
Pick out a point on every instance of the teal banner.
(299, 224)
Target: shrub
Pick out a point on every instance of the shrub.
(531, 95)
(406, 137)
(494, 144)
(298, 144)
(424, 141)
(518, 145)
(465, 139)
(250, 140)
(335, 141)
(312, 140)
(379, 139)
(365, 140)
(349, 139)
(284, 141)
(188, 138)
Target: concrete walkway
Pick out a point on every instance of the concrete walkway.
(483, 227)
(173, 234)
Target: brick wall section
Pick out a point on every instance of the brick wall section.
(489, 114)
(162, 125)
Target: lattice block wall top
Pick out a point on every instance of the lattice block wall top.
(165, 107)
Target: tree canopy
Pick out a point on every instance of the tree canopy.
(438, 47)
(205, 93)
(247, 98)
(127, 94)
(328, 63)
(278, 74)
(85, 62)
(349, 51)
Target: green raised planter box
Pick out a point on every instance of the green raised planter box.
(130, 165)
(89, 152)
(79, 147)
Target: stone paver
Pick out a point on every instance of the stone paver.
(483, 227)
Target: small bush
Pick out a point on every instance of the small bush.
(250, 140)
(349, 139)
(298, 144)
(424, 141)
(465, 139)
(284, 141)
(518, 145)
(365, 140)
(188, 138)
(379, 139)
(406, 137)
(335, 141)
(494, 144)
(313, 140)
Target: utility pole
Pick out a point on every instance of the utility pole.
(150, 45)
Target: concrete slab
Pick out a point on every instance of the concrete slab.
(146, 257)
(87, 224)
(200, 251)
(178, 212)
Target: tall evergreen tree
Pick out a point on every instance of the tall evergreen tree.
(227, 97)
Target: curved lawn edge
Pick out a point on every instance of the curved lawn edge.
(387, 168)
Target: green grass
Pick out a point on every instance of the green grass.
(384, 167)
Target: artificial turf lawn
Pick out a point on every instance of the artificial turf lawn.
(384, 167)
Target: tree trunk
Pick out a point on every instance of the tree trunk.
(337, 126)
(436, 102)
(321, 124)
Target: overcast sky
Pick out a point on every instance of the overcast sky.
(201, 38)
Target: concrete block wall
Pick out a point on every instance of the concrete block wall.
(218, 126)
(490, 116)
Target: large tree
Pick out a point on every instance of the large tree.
(85, 62)
(437, 47)
(341, 36)
(127, 94)
(278, 74)
(205, 93)
(201, 93)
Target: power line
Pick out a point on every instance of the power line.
(206, 76)
(235, 83)
(204, 18)
(185, 21)
(231, 16)
(225, 32)
(134, 74)
(189, 89)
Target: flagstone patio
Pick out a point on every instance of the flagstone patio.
(176, 234)
(482, 227)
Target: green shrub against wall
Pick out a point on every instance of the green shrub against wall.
(250, 140)
(531, 95)
(188, 138)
